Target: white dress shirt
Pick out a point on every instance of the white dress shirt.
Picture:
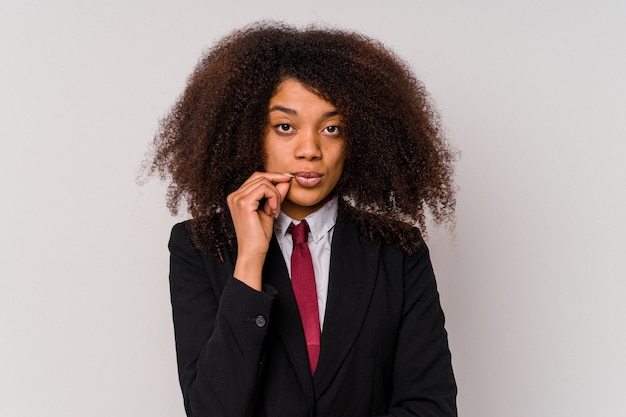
(321, 225)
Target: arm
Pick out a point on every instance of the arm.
(220, 319)
(219, 336)
(423, 381)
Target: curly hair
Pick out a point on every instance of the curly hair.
(398, 163)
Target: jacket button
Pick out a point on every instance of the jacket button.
(260, 321)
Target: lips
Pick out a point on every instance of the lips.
(308, 178)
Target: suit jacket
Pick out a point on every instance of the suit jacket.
(241, 352)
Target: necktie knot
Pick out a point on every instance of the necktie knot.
(300, 232)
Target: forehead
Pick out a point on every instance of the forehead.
(297, 93)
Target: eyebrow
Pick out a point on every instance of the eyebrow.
(294, 113)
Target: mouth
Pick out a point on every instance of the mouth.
(307, 178)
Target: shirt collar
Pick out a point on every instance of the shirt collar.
(320, 221)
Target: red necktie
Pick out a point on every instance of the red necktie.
(303, 283)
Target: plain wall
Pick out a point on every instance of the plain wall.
(532, 93)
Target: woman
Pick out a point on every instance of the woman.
(302, 286)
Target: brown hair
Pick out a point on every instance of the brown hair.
(398, 163)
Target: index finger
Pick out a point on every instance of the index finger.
(275, 177)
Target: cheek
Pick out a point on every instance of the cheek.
(267, 161)
(270, 155)
(339, 161)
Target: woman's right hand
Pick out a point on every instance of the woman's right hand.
(253, 208)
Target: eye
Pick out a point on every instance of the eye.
(284, 128)
(331, 130)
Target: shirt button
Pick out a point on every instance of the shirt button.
(260, 321)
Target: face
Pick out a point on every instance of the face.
(303, 137)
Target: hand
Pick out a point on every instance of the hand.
(253, 208)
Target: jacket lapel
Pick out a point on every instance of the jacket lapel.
(286, 317)
(353, 271)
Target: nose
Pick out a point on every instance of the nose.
(308, 145)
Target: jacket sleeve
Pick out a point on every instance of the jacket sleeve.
(220, 326)
(423, 380)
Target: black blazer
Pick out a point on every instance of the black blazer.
(241, 352)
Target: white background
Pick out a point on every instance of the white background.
(533, 93)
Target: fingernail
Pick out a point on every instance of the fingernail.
(289, 174)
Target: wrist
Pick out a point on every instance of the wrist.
(249, 270)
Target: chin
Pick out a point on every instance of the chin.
(303, 200)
